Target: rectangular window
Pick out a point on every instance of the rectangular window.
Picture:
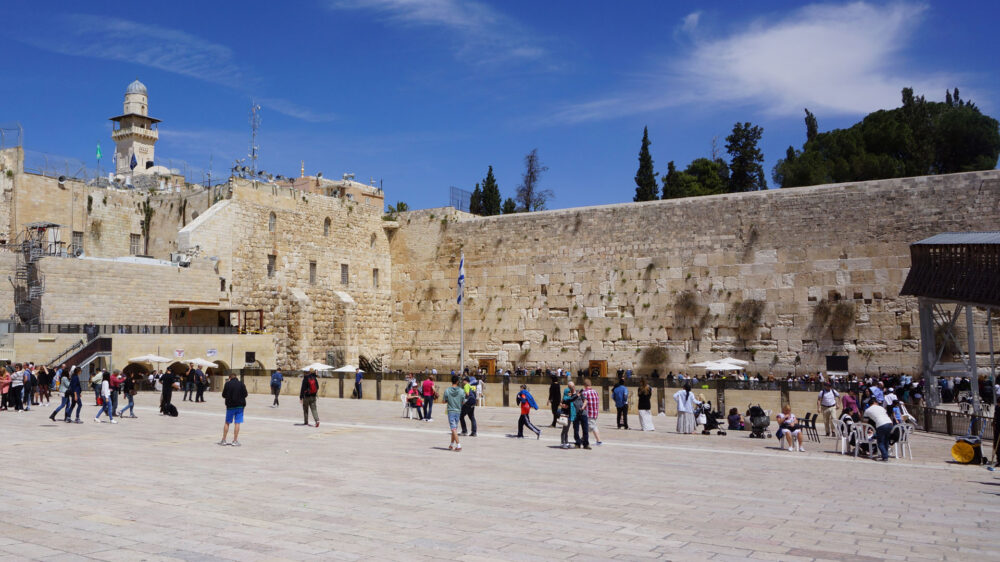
(343, 274)
(77, 247)
(272, 261)
(134, 244)
(375, 278)
(312, 273)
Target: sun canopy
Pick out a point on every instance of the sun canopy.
(199, 362)
(717, 366)
(346, 369)
(318, 367)
(150, 359)
(734, 361)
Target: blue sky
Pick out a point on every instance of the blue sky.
(423, 95)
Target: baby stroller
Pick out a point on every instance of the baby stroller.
(759, 422)
(711, 420)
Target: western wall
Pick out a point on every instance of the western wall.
(781, 278)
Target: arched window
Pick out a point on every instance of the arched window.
(272, 221)
(326, 227)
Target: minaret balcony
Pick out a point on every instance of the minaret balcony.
(126, 132)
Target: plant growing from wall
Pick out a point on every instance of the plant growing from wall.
(90, 203)
(655, 355)
(686, 307)
(747, 315)
(147, 219)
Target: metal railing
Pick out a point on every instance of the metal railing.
(94, 330)
(950, 422)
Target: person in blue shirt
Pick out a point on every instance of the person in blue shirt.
(620, 396)
(276, 379)
(357, 383)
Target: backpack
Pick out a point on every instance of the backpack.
(276, 379)
(470, 400)
(312, 387)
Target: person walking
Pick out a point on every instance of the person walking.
(106, 406)
(45, 378)
(526, 401)
(685, 409)
(115, 382)
(29, 388)
(128, 390)
(95, 383)
(567, 410)
(555, 400)
(429, 393)
(620, 395)
(644, 406)
(826, 402)
(276, 379)
(189, 386)
(469, 406)
(307, 396)
(454, 396)
(359, 375)
(234, 392)
(64, 395)
(75, 395)
(580, 421)
(4, 388)
(593, 409)
(200, 384)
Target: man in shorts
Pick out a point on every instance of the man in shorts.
(235, 395)
(454, 396)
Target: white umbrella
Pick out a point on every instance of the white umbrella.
(719, 366)
(734, 361)
(318, 367)
(703, 364)
(199, 362)
(149, 359)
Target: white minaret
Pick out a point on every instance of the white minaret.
(134, 132)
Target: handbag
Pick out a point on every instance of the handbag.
(563, 421)
(702, 419)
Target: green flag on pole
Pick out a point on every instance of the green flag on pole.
(98, 151)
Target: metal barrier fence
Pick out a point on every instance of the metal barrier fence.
(950, 422)
(94, 330)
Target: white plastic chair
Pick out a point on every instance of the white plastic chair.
(841, 432)
(407, 410)
(902, 444)
(864, 434)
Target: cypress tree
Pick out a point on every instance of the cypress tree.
(645, 178)
(476, 201)
(491, 195)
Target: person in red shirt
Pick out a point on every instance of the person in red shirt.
(527, 402)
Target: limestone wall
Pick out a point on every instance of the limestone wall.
(105, 217)
(668, 283)
(310, 318)
(110, 292)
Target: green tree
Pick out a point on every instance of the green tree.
(491, 195)
(509, 206)
(917, 138)
(529, 196)
(812, 127)
(709, 176)
(645, 178)
(476, 201)
(746, 172)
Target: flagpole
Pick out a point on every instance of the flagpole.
(461, 314)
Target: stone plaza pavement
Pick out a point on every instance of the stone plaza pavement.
(368, 484)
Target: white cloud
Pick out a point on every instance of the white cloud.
(482, 33)
(690, 22)
(165, 49)
(833, 59)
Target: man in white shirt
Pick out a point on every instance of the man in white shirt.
(826, 402)
(883, 427)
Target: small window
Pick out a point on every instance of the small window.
(326, 227)
(272, 261)
(272, 222)
(77, 247)
(375, 278)
(343, 274)
(312, 273)
(134, 244)
(222, 284)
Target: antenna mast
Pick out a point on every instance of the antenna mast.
(254, 127)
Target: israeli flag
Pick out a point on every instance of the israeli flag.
(461, 279)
